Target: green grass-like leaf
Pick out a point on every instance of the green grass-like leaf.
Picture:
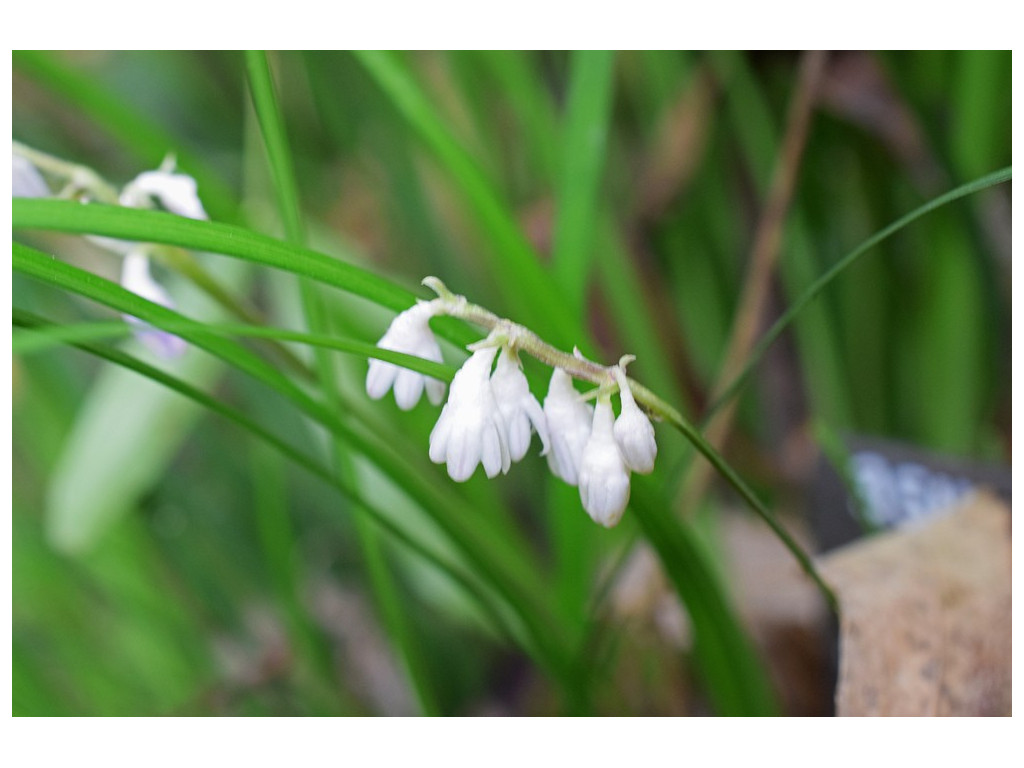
(583, 158)
(36, 327)
(28, 342)
(500, 562)
(812, 292)
(382, 581)
(525, 285)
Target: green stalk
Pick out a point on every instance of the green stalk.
(812, 292)
(382, 582)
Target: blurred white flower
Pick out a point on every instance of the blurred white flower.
(471, 429)
(176, 192)
(136, 278)
(519, 408)
(604, 478)
(569, 422)
(26, 180)
(634, 431)
(410, 333)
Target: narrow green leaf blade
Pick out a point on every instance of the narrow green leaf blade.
(583, 153)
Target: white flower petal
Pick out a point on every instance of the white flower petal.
(474, 373)
(506, 455)
(439, 437)
(560, 462)
(603, 476)
(408, 388)
(568, 424)
(176, 192)
(519, 433)
(463, 453)
(435, 390)
(26, 180)
(518, 406)
(635, 435)
(410, 334)
(379, 378)
(491, 456)
(606, 501)
(471, 429)
(160, 343)
(135, 277)
(540, 423)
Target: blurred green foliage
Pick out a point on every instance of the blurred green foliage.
(607, 201)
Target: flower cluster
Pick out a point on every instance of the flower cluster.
(490, 415)
(175, 192)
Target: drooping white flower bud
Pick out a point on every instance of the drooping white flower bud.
(471, 429)
(136, 278)
(176, 192)
(26, 180)
(604, 477)
(410, 333)
(569, 421)
(519, 408)
(634, 431)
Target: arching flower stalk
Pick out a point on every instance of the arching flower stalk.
(490, 417)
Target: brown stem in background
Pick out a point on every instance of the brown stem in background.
(763, 258)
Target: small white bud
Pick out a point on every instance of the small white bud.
(634, 431)
(604, 478)
(569, 421)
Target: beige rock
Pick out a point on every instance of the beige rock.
(925, 616)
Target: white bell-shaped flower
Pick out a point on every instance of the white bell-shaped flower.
(634, 431)
(136, 278)
(569, 421)
(604, 477)
(471, 429)
(26, 180)
(410, 333)
(519, 408)
(176, 192)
